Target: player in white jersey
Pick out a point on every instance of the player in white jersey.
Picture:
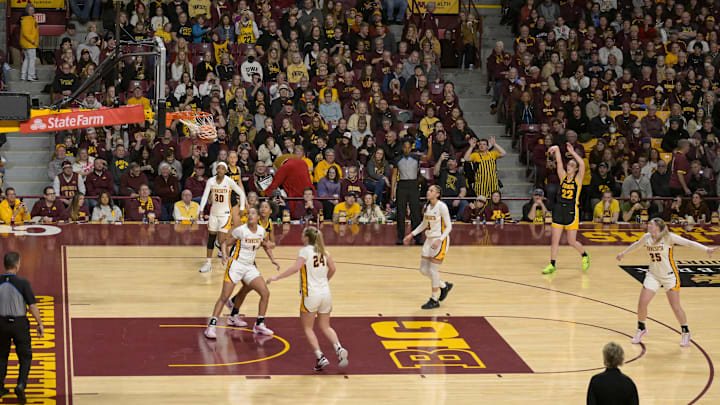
(241, 268)
(663, 272)
(316, 268)
(219, 189)
(436, 218)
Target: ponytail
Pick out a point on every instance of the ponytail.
(315, 238)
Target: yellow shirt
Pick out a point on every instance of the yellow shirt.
(671, 59)
(221, 49)
(142, 100)
(321, 170)
(491, 155)
(427, 125)
(164, 35)
(296, 72)
(599, 210)
(349, 212)
(246, 34)
(6, 213)
(310, 168)
(199, 7)
(183, 212)
(29, 33)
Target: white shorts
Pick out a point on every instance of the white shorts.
(219, 223)
(439, 253)
(237, 272)
(321, 304)
(668, 281)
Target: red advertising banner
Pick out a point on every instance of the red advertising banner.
(103, 117)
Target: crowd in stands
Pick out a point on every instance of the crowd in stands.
(632, 85)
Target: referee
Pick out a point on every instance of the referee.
(406, 189)
(15, 296)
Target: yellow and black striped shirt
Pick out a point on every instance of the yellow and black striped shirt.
(486, 178)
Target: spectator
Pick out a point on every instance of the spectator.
(166, 187)
(196, 182)
(475, 210)
(606, 210)
(612, 386)
(105, 211)
(67, 183)
(55, 165)
(345, 152)
(348, 210)
(377, 174)
(119, 164)
(142, 207)
(29, 42)
(352, 183)
(695, 210)
(535, 210)
(680, 174)
(496, 209)
(602, 123)
(329, 187)
(673, 135)
(84, 163)
(323, 166)
(48, 210)
(650, 125)
(12, 209)
(260, 180)
(186, 209)
(452, 183)
(269, 151)
(132, 181)
(633, 208)
(98, 181)
(77, 210)
(636, 182)
(698, 182)
(600, 182)
(486, 180)
(549, 10)
(371, 212)
(310, 209)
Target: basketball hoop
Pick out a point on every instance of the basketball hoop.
(198, 122)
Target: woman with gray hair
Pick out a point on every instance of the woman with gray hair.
(612, 387)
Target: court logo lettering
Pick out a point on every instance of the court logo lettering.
(693, 273)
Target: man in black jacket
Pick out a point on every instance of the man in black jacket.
(612, 387)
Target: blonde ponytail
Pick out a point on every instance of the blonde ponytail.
(315, 238)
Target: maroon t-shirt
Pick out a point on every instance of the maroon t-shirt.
(680, 167)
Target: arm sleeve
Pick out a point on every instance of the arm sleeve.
(28, 293)
(206, 194)
(177, 215)
(679, 240)
(81, 185)
(445, 214)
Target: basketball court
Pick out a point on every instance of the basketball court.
(128, 308)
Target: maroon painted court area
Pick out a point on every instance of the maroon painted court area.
(377, 345)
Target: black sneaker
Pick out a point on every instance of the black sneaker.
(431, 304)
(321, 363)
(444, 291)
(4, 391)
(20, 392)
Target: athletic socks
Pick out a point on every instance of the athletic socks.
(260, 320)
(684, 329)
(208, 261)
(318, 354)
(641, 325)
(584, 254)
(337, 346)
(442, 284)
(552, 262)
(234, 311)
(213, 321)
(435, 295)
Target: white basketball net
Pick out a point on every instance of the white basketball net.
(202, 125)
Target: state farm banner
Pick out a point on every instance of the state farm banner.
(441, 6)
(103, 117)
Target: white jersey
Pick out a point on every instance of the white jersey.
(313, 275)
(662, 261)
(219, 194)
(247, 244)
(437, 221)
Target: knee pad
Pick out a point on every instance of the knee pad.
(211, 241)
(434, 270)
(425, 267)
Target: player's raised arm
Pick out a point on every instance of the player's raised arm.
(292, 270)
(558, 161)
(633, 246)
(580, 162)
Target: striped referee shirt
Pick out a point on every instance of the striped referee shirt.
(15, 295)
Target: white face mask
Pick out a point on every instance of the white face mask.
(636, 131)
(612, 129)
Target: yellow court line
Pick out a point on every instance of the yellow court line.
(283, 351)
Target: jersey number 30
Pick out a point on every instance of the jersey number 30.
(318, 261)
(219, 198)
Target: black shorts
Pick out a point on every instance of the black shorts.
(565, 216)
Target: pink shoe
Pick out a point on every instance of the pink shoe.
(262, 330)
(235, 320)
(210, 332)
(639, 335)
(685, 340)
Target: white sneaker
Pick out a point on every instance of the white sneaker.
(342, 357)
(210, 332)
(471, 67)
(639, 335)
(206, 267)
(685, 340)
(321, 363)
(236, 320)
(262, 330)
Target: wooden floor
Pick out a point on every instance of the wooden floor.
(556, 324)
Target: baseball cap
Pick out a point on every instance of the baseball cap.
(539, 191)
(66, 163)
(288, 102)
(216, 87)
(481, 198)
(283, 86)
(347, 135)
(710, 18)
(659, 89)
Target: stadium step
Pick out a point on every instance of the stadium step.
(45, 73)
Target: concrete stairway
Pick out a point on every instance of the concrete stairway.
(470, 87)
(27, 156)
